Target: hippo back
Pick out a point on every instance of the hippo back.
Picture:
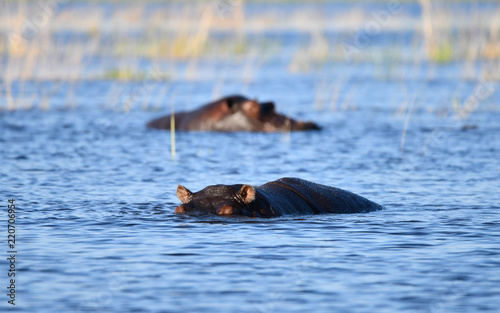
(280, 201)
(321, 198)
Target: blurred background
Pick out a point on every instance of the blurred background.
(49, 48)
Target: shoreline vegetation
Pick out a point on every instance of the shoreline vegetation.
(73, 41)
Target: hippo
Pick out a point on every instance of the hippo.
(285, 196)
(232, 114)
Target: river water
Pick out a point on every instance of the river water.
(95, 192)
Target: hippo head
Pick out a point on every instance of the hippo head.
(261, 116)
(273, 121)
(217, 200)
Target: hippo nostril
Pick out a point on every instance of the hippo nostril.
(225, 210)
(180, 209)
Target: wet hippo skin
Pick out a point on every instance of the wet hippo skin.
(231, 114)
(285, 196)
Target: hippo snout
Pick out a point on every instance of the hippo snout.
(181, 209)
(308, 126)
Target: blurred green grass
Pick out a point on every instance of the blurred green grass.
(191, 31)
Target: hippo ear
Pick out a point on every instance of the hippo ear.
(247, 194)
(267, 107)
(251, 109)
(184, 194)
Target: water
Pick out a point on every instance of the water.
(95, 193)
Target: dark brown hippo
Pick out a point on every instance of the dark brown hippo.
(285, 196)
(231, 114)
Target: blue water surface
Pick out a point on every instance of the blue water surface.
(95, 192)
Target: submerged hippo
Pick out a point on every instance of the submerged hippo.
(233, 113)
(284, 196)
